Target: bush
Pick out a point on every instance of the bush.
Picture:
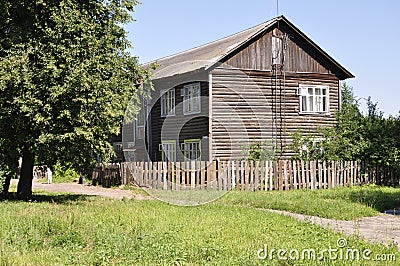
(64, 174)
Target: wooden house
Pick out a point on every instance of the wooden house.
(260, 85)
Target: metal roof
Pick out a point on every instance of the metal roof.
(210, 54)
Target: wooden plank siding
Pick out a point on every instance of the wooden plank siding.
(257, 55)
(179, 127)
(251, 102)
(247, 107)
(241, 113)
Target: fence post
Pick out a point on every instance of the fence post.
(193, 174)
(294, 169)
(285, 175)
(233, 168)
(203, 166)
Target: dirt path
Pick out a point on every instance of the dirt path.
(76, 188)
(383, 228)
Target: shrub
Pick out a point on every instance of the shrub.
(64, 174)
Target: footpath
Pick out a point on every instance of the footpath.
(75, 188)
(384, 228)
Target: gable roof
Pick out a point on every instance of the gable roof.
(208, 55)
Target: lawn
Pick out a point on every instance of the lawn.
(59, 229)
(346, 203)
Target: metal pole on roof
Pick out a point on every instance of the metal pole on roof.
(277, 8)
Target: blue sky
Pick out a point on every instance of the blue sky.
(361, 35)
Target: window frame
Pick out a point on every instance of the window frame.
(168, 96)
(163, 151)
(141, 118)
(304, 94)
(190, 99)
(185, 150)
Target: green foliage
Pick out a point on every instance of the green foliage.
(257, 151)
(371, 138)
(306, 147)
(65, 78)
(73, 230)
(64, 174)
(5, 172)
(346, 141)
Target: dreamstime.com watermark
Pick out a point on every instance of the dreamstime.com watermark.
(341, 252)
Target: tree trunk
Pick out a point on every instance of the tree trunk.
(6, 186)
(24, 191)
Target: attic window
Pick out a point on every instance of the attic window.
(314, 99)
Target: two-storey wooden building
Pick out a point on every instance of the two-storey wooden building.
(260, 85)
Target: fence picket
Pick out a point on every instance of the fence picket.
(246, 175)
(295, 174)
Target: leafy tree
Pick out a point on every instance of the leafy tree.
(346, 140)
(372, 138)
(65, 80)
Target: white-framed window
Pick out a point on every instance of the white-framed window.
(191, 99)
(192, 149)
(141, 120)
(168, 102)
(314, 99)
(168, 150)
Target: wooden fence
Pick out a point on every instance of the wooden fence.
(244, 175)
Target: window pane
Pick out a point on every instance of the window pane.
(192, 98)
(310, 104)
(303, 103)
(317, 91)
(325, 104)
(168, 152)
(192, 150)
(168, 103)
(310, 91)
(318, 103)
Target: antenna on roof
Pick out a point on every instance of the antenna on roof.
(277, 8)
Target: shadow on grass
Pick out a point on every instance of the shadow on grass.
(379, 198)
(56, 198)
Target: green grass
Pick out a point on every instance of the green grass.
(339, 203)
(60, 229)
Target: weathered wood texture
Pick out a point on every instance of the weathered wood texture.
(245, 175)
(179, 127)
(109, 175)
(299, 56)
(248, 106)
